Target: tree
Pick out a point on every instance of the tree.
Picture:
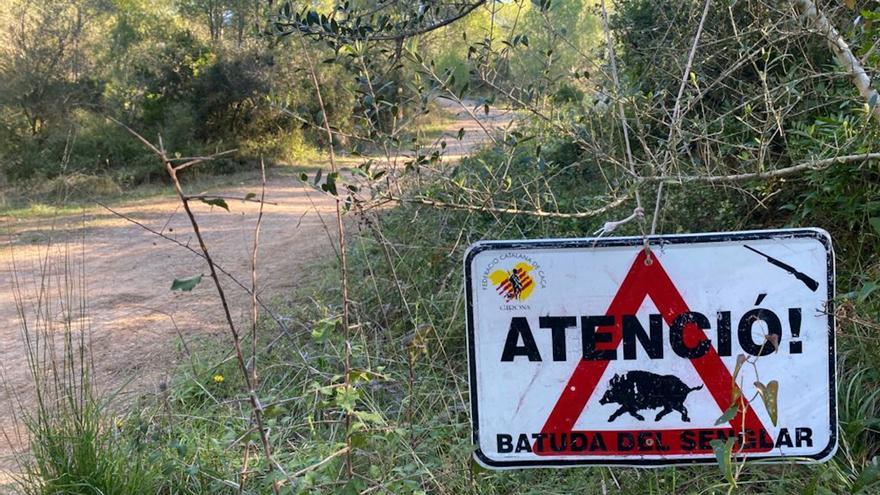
(45, 67)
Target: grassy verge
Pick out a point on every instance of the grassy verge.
(67, 195)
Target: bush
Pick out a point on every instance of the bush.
(286, 147)
(160, 78)
(86, 144)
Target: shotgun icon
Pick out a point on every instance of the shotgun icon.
(809, 282)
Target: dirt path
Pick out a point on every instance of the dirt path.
(129, 272)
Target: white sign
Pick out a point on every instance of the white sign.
(596, 351)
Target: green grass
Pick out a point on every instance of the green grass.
(24, 207)
(74, 445)
(34, 206)
(411, 429)
(413, 436)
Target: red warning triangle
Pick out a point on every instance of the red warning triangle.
(650, 280)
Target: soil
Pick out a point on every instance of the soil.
(136, 321)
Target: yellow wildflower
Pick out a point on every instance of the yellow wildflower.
(218, 378)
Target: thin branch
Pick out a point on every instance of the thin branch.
(510, 211)
(256, 406)
(201, 197)
(324, 461)
(630, 162)
(200, 159)
(675, 124)
(135, 134)
(394, 37)
(254, 306)
(770, 174)
(343, 263)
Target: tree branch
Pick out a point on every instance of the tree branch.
(510, 211)
(843, 54)
(393, 37)
(770, 174)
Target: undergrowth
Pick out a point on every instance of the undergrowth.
(408, 398)
(411, 430)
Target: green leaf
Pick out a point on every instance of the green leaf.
(369, 417)
(181, 448)
(867, 289)
(723, 456)
(769, 394)
(771, 401)
(353, 487)
(875, 223)
(186, 284)
(870, 475)
(274, 410)
(476, 468)
(359, 375)
(249, 196)
(346, 397)
(728, 414)
(323, 329)
(740, 360)
(460, 133)
(330, 185)
(359, 440)
(216, 202)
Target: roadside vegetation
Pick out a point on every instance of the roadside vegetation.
(679, 116)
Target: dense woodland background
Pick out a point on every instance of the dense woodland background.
(213, 74)
(679, 116)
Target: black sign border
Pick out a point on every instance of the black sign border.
(705, 238)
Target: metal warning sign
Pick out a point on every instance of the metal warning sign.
(598, 351)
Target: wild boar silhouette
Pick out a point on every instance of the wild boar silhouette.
(637, 390)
